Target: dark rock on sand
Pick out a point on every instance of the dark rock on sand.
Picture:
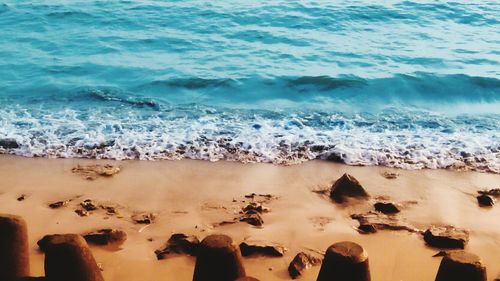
(88, 205)
(301, 262)
(179, 244)
(81, 212)
(106, 236)
(371, 222)
(485, 200)
(254, 208)
(446, 237)
(58, 204)
(9, 143)
(253, 219)
(386, 207)
(22, 197)
(147, 218)
(347, 187)
(264, 250)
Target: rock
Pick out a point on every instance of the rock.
(485, 200)
(179, 244)
(371, 222)
(106, 236)
(264, 250)
(386, 207)
(88, 205)
(22, 197)
(58, 204)
(81, 213)
(9, 143)
(253, 219)
(255, 208)
(390, 175)
(301, 262)
(492, 192)
(347, 187)
(147, 218)
(446, 237)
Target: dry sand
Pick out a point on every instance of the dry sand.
(190, 196)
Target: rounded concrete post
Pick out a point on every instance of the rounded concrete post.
(345, 261)
(68, 257)
(461, 266)
(218, 259)
(14, 251)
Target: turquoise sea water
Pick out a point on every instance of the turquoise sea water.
(412, 84)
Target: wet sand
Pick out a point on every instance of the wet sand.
(191, 196)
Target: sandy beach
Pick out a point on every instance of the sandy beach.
(194, 197)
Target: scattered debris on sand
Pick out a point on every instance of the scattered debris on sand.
(320, 222)
(347, 187)
(92, 172)
(179, 243)
(446, 237)
(144, 218)
(301, 262)
(262, 249)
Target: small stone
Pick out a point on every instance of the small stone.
(367, 228)
(253, 219)
(301, 262)
(106, 236)
(22, 197)
(386, 207)
(82, 213)
(147, 218)
(390, 175)
(58, 204)
(264, 250)
(9, 143)
(347, 187)
(88, 205)
(485, 200)
(446, 237)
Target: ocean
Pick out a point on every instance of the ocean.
(409, 84)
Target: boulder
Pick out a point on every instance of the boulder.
(347, 187)
(9, 143)
(179, 243)
(300, 263)
(386, 207)
(106, 236)
(260, 249)
(485, 200)
(446, 237)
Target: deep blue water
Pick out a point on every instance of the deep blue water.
(412, 84)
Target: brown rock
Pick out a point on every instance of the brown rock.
(446, 237)
(106, 236)
(58, 204)
(259, 249)
(371, 222)
(179, 244)
(88, 205)
(347, 187)
(81, 213)
(301, 262)
(386, 207)
(253, 219)
(146, 218)
(485, 200)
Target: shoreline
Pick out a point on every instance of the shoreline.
(190, 196)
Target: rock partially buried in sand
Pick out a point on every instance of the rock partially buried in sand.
(347, 187)
(446, 237)
(461, 266)
(92, 172)
(58, 204)
(345, 261)
(146, 218)
(106, 236)
(218, 259)
(179, 243)
(386, 207)
(253, 219)
(300, 263)
(372, 221)
(14, 249)
(88, 205)
(485, 200)
(261, 249)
